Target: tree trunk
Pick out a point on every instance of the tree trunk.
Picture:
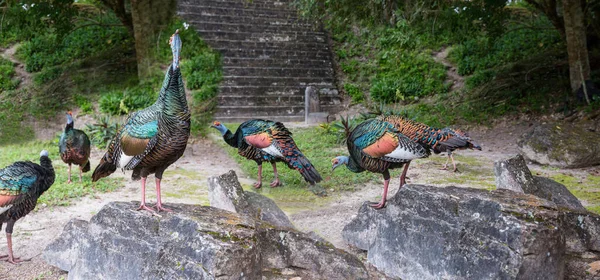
(118, 6)
(579, 63)
(149, 17)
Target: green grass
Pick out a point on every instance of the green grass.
(7, 72)
(584, 188)
(60, 193)
(320, 148)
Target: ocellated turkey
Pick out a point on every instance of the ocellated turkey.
(377, 146)
(268, 141)
(152, 138)
(74, 147)
(21, 184)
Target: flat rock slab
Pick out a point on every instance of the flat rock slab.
(561, 145)
(193, 243)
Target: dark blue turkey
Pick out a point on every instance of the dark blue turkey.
(377, 146)
(153, 138)
(74, 147)
(264, 140)
(21, 184)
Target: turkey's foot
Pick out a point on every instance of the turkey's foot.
(375, 205)
(444, 167)
(456, 170)
(14, 260)
(159, 208)
(257, 185)
(69, 181)
(275, 183)
(144, 207)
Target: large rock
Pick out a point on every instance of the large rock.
(513, 174)
(565, 146)
(225, 192)
(428, 232)
(193, 243)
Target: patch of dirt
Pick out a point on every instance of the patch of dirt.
(24, 76)
(452, 77)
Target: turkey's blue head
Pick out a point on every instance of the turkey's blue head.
(69, 118)
(44, 153)
(337, 161)
(220, 127)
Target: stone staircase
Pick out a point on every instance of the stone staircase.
(269, 58)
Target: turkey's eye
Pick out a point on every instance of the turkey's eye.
(216, 123)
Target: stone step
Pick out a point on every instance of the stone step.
(308, 46)
(277, 71)
(264, 37)
(267, 5)
(272, 100)
(273, 53)
(276, 81)
(265, 13)
(267, 62)
(297, 28)
(241, 119)
(272, 90)
(249, 20)
(253, 111)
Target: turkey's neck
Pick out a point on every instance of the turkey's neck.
(46, 163)
(354, 166)
(172, 95)
(230, 139)
(68, 127)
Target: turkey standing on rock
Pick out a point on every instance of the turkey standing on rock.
(74, 147)
(21, 184)
(263, 140)
(438, 140)
(377, 146)
(153, 138)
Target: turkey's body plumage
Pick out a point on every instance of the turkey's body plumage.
(153, 138)
(269, 141)
(377, 146)
(74, 147)
(21, 184)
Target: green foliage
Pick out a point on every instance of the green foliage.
(84, 104)
(102, 131)
(354, 92)
(110, 103)
(132, 99)
(202, 69)
(7, 72)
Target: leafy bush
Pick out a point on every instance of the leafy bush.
(102, 131)
(84, 104)
(354, 92)
(110, 103)
(7, 71)
(132, 99)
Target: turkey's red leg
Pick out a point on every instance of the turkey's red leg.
(454, 163)
(80, 173)
(11, 258)
(258, 183)
(445, 166)
(158, 201)
(403, 176)
(69, 180)
(275, 182)
(143, 204)
(381, 204)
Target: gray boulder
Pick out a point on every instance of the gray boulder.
(225, 192)
(193, 243)
(428, 232)
(513, 174)
(561, 145)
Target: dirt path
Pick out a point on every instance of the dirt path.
(24, 76)
(452, 76)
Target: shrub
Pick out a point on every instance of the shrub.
(7, 72)
(102, 131)
(84, 104)
(110, 103)
(354, 92)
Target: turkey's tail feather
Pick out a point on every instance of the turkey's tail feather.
(87, 167)
(108, 163)
(306, 168)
